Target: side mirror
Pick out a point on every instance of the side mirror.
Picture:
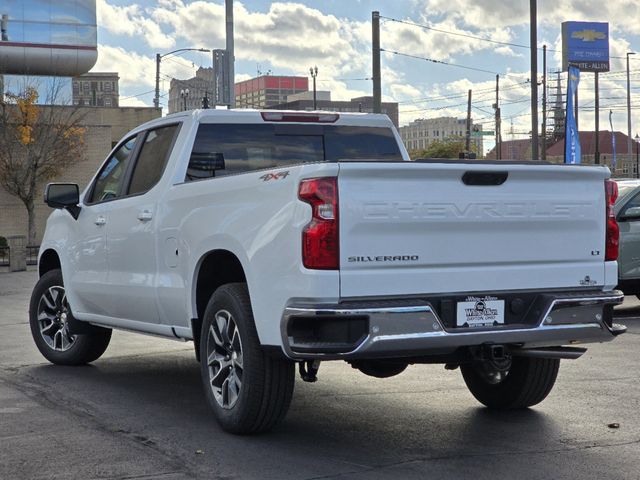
(63, 195)
(631, 213)
(204, 165)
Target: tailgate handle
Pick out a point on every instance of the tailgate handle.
(484, 178)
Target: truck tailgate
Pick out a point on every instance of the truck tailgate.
(415, 228)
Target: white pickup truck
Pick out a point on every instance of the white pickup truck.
(275, 238)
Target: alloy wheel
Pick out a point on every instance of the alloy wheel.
(224, 359)
(53, 315)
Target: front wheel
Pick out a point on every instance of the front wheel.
(49, 317)
(526, 382)
(248, 390)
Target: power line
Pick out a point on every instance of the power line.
(474, 37)
(438, 61)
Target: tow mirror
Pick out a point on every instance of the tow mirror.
(63, 195)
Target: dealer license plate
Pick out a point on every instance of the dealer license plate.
(480, 312)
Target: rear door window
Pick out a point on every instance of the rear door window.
(152, 159)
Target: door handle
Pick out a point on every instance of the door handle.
(145, 216)
(100, 221)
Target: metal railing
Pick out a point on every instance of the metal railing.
(4, 256)
(32, 254)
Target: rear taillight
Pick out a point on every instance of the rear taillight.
(613, 232)
(320, 242)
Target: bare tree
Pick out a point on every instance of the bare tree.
(37, 142)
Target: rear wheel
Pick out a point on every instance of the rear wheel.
(49, 319)
(248, 390)
(523, 383)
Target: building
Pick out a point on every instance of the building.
(48, 37)
(626, 162)
(518, 150)
(104, 128)
(189, 94)
(267, 91)
(96, 89)
(421, 132)
(321, 95)
(359, 104)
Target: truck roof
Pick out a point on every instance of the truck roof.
(289, 116)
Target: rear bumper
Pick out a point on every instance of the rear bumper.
(412, 328)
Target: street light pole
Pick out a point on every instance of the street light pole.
(156, 98)
(637, 156)
(314, 73)
(629, 151)
(184, 93)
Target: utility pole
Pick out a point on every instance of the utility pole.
(544, 103)
(156, 99)
(496, 107)
(467, 144)
(230, 53)
(597, 153)
(534, 78)
(375, 40)
(629, 150)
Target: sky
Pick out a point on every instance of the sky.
(286, 38)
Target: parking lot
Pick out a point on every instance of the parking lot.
(139, 412)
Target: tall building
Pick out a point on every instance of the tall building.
(189, 94)
(99, 89)
(268, 90)
(48, 37)
(359, 104)
(421, 132)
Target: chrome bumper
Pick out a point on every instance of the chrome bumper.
(414, 329)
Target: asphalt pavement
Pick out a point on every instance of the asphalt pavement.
(139, 413)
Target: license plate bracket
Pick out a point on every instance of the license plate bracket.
(474, 312)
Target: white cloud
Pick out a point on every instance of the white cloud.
(132, 102)
(132, 21)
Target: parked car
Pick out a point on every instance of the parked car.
(275, 238)
(627, 210)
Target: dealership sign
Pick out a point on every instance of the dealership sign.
(585, 45)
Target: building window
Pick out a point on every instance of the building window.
(107, 86)
(85, 86)
(107, 102)
(625, 169)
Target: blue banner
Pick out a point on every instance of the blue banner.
(613, 141)
(572, 152)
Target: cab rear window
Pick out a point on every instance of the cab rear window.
(225, 149)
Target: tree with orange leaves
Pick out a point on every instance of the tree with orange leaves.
(37, 142)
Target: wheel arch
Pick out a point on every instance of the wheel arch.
(49, 260)
(214, 269)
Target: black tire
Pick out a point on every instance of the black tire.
(80, 348)
(528, 382)
(266, 381)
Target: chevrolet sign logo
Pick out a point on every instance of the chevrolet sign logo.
(589, 35)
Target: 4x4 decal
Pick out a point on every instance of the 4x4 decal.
(274, 176)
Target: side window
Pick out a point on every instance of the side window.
(107, 184)
(152, 159)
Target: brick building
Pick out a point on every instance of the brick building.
(268, 90)
(105, 127)
(99, 89)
